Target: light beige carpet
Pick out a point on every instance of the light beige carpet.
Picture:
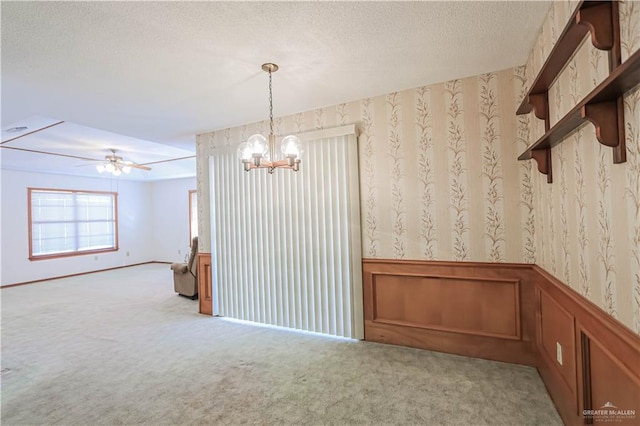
(120, 348)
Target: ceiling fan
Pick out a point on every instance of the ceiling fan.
(115, 165)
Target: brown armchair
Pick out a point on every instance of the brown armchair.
(185, 275)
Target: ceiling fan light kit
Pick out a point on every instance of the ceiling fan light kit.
(114, 169)
(257, 151)
(116, 166)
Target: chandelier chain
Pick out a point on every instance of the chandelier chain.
(270, 105)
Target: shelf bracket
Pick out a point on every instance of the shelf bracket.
(608, 119)
(540, 104)
(543, 158)
(599, 20)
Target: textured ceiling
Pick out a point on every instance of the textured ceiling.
(76, 150)
(165, 71)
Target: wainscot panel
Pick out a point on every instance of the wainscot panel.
(457, 304)
(485, 310)
(204, 284)
(519, 313)
(610, 381)
(556, 351)
(606, 354)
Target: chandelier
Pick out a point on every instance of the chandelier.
(259, 152)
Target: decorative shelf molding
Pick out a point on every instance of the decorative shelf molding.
(600, 18)
(543, 159)
(603, 106)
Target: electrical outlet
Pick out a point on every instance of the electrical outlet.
(559, 353)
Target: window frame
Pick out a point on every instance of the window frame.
(192, 192)
(116, 246)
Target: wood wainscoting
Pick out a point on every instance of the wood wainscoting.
(587, 359)
(205, 290)
(482, 310)
(515, 313)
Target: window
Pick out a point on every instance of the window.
(71, 223)
(193, 214)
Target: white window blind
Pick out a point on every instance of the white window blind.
(286, 247)
(64, 222)
(193, 214)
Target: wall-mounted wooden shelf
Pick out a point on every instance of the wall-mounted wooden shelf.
(603, 106)
(596, 17)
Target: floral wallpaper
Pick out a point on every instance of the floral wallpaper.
(587, 223)
(439, 178)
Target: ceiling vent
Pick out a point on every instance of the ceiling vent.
(16, 129)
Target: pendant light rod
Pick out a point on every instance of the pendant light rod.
(271, 68)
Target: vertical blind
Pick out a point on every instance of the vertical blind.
(193, 215)
(63, 222)
(287, 246)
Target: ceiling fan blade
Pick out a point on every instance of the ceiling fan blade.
(139, 166)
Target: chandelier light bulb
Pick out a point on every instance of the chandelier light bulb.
(291, 147)
(116, 172)
(100, 168)
(109, 167)
(244, 151)
(126, 169)
(258, 145)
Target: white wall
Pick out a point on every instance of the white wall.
(135, 225)
(153, 224)
(170, 201)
